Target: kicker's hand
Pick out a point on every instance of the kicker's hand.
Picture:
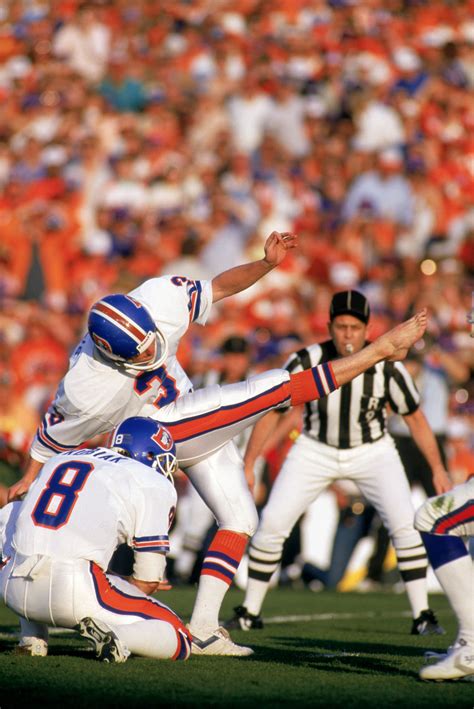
(277, 245)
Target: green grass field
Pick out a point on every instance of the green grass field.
(317, 649)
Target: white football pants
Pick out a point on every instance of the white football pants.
(311, 466)
(61, 593)
(205, 420)
(203, 425)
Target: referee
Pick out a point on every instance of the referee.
(345, 437)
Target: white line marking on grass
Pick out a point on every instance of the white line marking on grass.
(332, 616)
(271, 620)
(51, 631)
(343, 653)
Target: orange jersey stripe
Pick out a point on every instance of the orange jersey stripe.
(226, 416)
(118, 601)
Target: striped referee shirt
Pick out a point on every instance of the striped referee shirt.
(356, 413)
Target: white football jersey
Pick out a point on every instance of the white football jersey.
(95, 395)
(8, 516)
(84, 503)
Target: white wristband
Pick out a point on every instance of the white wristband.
(149, 566)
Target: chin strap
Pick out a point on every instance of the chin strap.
(162, 347)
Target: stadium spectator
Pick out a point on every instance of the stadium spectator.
(83, 42)
(250, 110)
(383, 192)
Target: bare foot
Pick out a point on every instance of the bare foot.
(398, 341)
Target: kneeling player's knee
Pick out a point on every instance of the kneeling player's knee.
(424, 517)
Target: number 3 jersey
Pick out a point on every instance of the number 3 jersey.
(355, 413)
(84, 503)
(95, 395)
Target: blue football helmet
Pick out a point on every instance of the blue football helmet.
(148, 442)
(122, 328)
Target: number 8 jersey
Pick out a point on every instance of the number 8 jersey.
(96, 395)
(86, 502)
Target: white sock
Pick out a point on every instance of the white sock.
(417, 596)
(255, 595)
(220, 563)
(32, 630)
(457, 581)
(205, 617)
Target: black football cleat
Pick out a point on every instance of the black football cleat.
(106, 644)
(243, 620)
(426, 624)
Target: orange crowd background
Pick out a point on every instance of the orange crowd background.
(140, 137)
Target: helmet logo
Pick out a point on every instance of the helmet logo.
(101, 343)
(163, 438)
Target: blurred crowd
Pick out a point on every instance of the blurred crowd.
(163, 136)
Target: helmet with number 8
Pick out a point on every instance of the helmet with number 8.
(122, 329)
(148, 442)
